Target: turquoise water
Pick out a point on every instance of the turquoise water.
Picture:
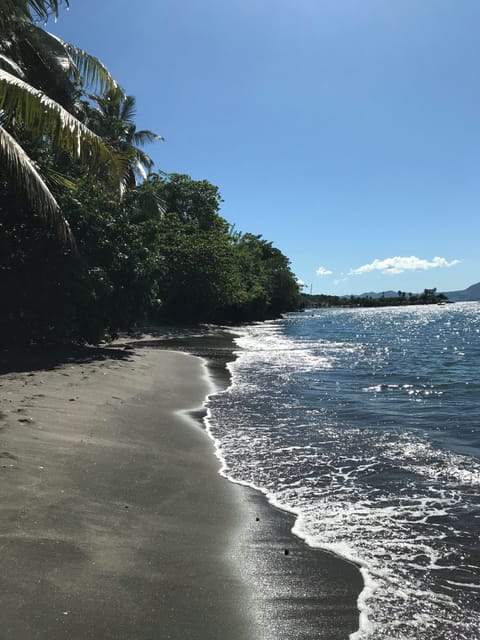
(366, 424)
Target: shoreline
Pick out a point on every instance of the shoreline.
(217, 351)
(113, 528)
(282, 527)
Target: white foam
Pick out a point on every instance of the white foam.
(389, 535)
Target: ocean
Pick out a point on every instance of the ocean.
(365, 423)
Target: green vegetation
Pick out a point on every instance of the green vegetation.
(429, 296)
(41, 80)
(91, 240)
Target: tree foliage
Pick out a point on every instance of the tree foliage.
(211, 273)
(113, 120)
(402, 299)
(158, 249)
(41, 79)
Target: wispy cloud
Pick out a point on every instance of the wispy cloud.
(399, 264)
(321, 271)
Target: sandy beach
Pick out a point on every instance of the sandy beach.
(115, 522)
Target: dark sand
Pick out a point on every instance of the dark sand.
(114, 522)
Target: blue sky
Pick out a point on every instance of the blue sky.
(347, 132)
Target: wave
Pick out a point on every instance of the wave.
(297, 425)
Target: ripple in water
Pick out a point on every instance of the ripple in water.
(366, 424)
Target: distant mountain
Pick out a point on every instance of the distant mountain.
(471, 293)
(383, 294)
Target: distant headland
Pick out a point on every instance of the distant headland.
(391, 298)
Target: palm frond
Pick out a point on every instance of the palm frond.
(69, 63)
(140, 169)
(150, 202)
(11, 10)
(113, 120)
(10, 65)
(111, 103)
(26, 177)
(48, 66)
(29, 9)
(41, 114)
(43, 8)
(90, 72)
(145, 136)
(143, 158)
(126, 110)
(60, 180)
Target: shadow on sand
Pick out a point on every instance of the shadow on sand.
(41, 359)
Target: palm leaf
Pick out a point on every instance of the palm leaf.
(47, 65)
(60, 180)
(43, 8)
(150, 202)
(25, 175)
(153, 204)
(126, 108)
(90, 72)
(140, 169)
(28, 10)
(114, 121)
(41, 114)
(57, 63)
(10, 65)
(143, 137)
(11, 10)
(142, 158)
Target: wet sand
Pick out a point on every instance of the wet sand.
(114, 521)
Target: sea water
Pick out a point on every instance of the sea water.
(366, 424)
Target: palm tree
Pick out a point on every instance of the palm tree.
(113, 120)
(27, 9)
(41, 81)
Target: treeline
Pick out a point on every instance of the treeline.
(92, 240)
(429, 296)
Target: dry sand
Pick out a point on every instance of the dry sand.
(114, 522)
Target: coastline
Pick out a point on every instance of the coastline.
(114, 528)
(311, 593)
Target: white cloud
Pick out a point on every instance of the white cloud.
(301, 283)
(321, 271)
(399, 264)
